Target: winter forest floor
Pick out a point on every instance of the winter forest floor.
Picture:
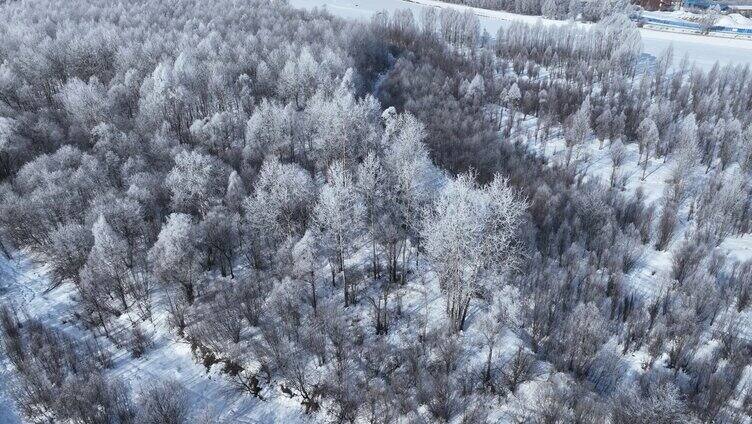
(593, 161)
(27, 286)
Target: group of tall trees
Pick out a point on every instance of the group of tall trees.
(350, 214)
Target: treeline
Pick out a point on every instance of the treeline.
(587, 10)
(283, 183)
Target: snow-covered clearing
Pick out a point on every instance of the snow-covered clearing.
(704, 51)
(740, 247)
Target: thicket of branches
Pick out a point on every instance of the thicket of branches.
(283, 183)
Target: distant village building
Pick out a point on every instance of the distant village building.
(658, 4)
(745, 10)
(704, 4)
(725, 6)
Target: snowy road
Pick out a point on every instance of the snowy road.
(704, 51)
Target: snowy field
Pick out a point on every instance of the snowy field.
(702, 50)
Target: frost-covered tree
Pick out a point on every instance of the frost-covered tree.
(648, 133)
(109, 263)
(575, 8)
(745, 149)
(342, 127)
(221, 133)
(306, 262)
(729, 143)
(411, 183)
(618, 156)
(512, 100)
(720, 207)
(655, 403)
(268, 130)
(197, 182)
(339, 216)
(687, 156)
(428, 20)
(175, 258)
(282, 199)
(67, 252)
(578, 130)
(370, 184)
(554, 9)
(583, 333)
(470, 238)
(603, 125)
(235, 192)
(220, 238)
(299, 78)
(475, 90)
(13, 147)
(165, 402)
(85, 102)
(708, 19)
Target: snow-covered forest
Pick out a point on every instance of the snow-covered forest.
(236, 211)
(588, 10)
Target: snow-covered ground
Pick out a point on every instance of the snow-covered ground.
(593, 160)
(703, 50)
(732, 20)
(8, 413)
(735, 20)
(25, 285)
